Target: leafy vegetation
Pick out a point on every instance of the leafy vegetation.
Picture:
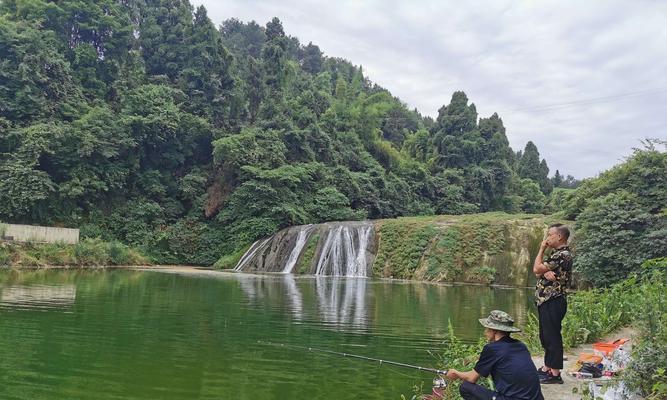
(88, 252)
(646, 372)
(139, 121)
(620, 217)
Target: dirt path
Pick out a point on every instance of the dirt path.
(564, 391)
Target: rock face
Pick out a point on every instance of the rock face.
(483, 248)
(333, 248)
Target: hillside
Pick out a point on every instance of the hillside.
(142, 122)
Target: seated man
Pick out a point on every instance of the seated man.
(508, 362)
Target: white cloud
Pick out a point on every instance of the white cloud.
(519, 58)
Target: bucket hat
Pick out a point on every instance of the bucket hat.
(500, 321)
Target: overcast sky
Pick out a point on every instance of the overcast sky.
(584, 80)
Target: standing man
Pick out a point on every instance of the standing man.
(553, 278)
(508, 362)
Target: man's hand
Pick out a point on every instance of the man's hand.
(544, 245)
(470, 376)
(550, 275)
(452, 374)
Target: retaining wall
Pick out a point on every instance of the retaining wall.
(39, 234)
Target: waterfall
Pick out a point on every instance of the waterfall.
(251, 252)
(339, 255)
(337, 248)
(296, 251)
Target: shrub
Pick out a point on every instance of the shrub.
(5, 256)
(119, 254)
(646, 371)
(91, 252)
(615, 235)
(229, 261)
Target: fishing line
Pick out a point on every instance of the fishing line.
(338, 353)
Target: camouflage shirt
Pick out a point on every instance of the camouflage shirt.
(560, 262)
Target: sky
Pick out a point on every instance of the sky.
(586, 81)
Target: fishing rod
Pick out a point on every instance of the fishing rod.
(338, 353)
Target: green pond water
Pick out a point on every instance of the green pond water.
(122, 334)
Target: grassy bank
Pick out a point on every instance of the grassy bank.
(481, 248)
(88, 252)
(640, 301)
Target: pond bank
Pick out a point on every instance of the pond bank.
(571, 384)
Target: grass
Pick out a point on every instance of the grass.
(229, 261)
(88, 252)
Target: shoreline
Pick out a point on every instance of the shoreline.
(197, 270)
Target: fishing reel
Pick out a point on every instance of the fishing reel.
(437, 393)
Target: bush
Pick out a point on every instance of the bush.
(615, 235)
(229, 261)
(91, 252)
(88, 252)
(5, 256)
(643, 174)
(647, 369)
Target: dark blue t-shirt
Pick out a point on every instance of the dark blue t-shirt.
(511, 368)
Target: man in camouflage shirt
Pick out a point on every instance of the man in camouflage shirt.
(553, 278)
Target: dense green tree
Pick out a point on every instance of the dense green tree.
(36, 80)
(557, 180)
(312, 59)
(642, 174)
(530, 167)
(246, 40)
(206, 78)
(163, 34)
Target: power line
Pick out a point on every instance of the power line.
(594, 100)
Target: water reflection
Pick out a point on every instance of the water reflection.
(342, 301)
(44, 297)
(294, 297)
(337, 301)
(360, 304)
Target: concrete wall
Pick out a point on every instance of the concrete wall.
(40, 234)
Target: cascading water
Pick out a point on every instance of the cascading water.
(340, 256)
(251, 252)
(335, 248)
(296, 251)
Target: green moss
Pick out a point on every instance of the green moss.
(402, 244)
(306, 261)
(481, 248)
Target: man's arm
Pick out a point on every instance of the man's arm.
(470, 376)
(538, 266)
